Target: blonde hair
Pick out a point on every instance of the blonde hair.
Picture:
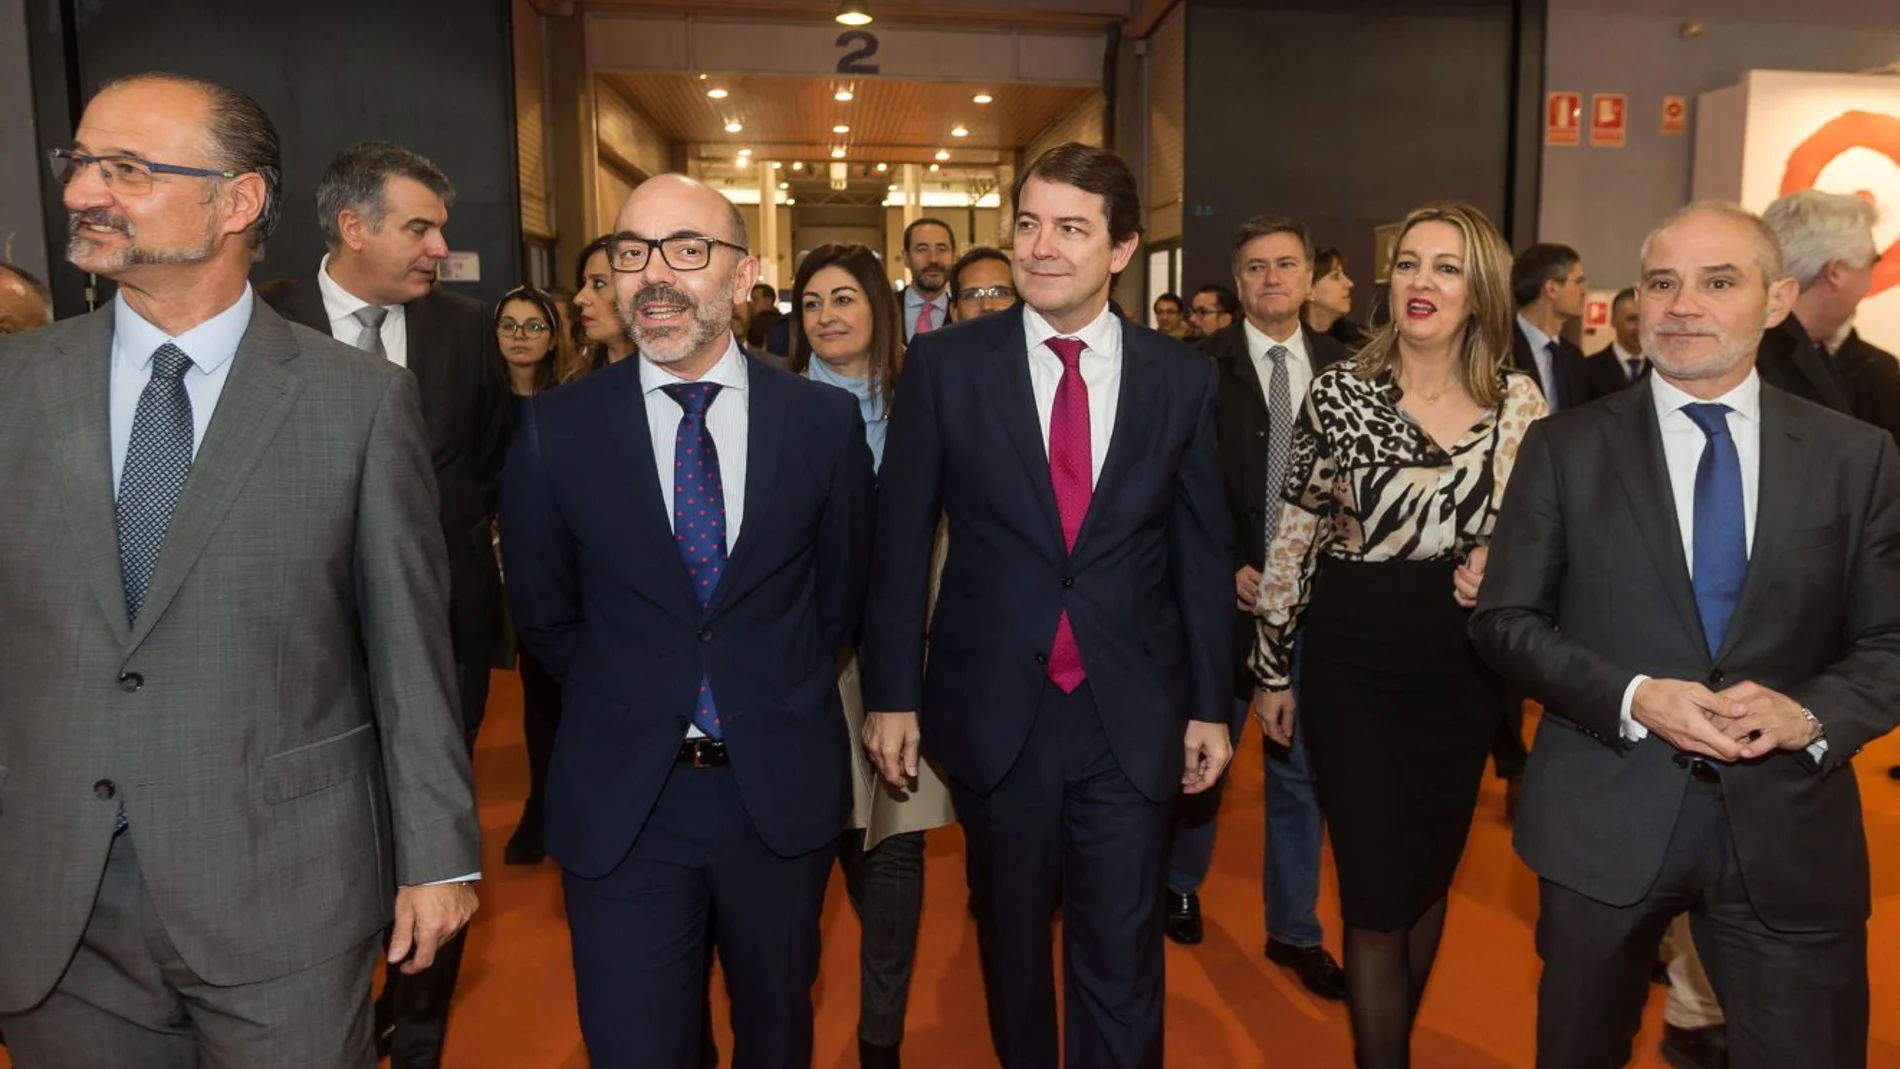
(1487, 327)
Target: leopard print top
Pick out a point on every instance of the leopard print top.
(1366, 483)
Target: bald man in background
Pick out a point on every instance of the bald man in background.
(25, 303)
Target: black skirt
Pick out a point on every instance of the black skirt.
(1398, 714)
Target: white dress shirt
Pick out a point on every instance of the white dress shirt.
(726, 420)
(341, 305)
(1101, 368)
(1299, 363)
(211, 345)
(1623, 358)
(1683, 443)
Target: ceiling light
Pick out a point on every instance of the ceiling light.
(935, 167)
(841, 95)
(882, 167)
(717, 94)
(785, 185)
(838, 153)
(734, 127)
(777, 166)
(854, 13)
(841, 129)
(959, 132)
(943, 154)
(798, 165)
(982, 98)
(790, 201)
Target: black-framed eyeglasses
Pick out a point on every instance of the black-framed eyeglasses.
(626, 253)
(127, 174)
(533, 328)
(994, 293)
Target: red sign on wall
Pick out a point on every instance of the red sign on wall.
(1596, 314)
(1675, 115)
(1609, 119)
(1563, 117)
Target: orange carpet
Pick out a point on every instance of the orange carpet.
(1227, 1007)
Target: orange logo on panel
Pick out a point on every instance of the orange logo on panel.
(1849, 130)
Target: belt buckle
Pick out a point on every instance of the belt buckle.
(699, 754)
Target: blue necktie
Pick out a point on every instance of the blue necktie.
(699, 514)
(1553, 385)
(1721, 538)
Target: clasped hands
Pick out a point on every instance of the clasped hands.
(1740, 723)
(891, 741)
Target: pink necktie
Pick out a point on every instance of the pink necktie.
(924, 325)
(1071, 461)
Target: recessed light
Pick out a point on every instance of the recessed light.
(882, 167)
(981, 98)
(934, 168)
(959, 132)
(789, 201)
(841, 129)
(777, 166)
(798, 165)
(734, 126)
(785, 185)
(854, 13)
(893, 187)
(943, 154)
(841, 95)
(838, 153)
(717, 94)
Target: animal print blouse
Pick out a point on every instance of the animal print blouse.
(1366, 483)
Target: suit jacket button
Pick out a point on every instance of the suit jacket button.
(1068, 581)
(131, 681)
(1716, 677)
(705, 634)
(1041, 657)
(105, 790)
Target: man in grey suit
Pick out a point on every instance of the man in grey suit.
(1707, 689)
(228, 739)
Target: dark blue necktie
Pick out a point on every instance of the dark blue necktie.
(1721, 537)
(1553, 385)
(157, 463)
(699, 514)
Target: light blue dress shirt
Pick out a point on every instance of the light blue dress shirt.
(211, 345)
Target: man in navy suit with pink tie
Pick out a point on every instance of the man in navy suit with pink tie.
(1078, 675)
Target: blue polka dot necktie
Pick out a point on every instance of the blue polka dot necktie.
(699, 514)
(157, 463)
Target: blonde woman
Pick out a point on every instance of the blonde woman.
(1394, 476)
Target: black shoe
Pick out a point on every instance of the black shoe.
(1695, 1048)
(1313, 965)
(876, 1056)
(524, 848)
(1511, 788)
(1184, 918)
(383, 1016)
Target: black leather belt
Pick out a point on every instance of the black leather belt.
(702, 753)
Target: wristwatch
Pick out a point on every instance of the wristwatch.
(1820, 729)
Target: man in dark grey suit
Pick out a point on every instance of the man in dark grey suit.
(228, 739)
(382, 209)
(1705, 694)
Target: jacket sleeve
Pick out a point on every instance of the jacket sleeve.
(910, 499)
(1200, 545)
(538, 553)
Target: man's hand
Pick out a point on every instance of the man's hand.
(1208, 750)
(426, 918)
(1687, 716)
(891, 741)
(1246, 587)
(1274, 710)
(1762, 721)
(1465, 581)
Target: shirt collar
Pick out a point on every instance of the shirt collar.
(210, 344)
(1540, 341)
(1623, 356)
(729, 372)
(1103, 334)
(339, 303)
(914, 299)
(1744, 400)
(1259, 341)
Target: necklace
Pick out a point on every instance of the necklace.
(1431, 397)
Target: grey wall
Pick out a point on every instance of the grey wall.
(1348, 114)
(1604, 200)
(22, 232)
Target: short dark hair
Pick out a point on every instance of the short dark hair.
(765, 289)
(976, 254)
(1091, 170)
(929, 221)
(1622, 295)
(1171, 298)
(1541, 263)
(243, 140)
(1262, 225)
(33, 286)
(1228, 300)
(356, 180)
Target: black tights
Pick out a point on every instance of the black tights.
(1385, 979)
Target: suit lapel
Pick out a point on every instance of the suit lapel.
(256, 398)
(423, 353)
(765, 438)
(1524, 360)
(1777, 495)
(633, 442)
(1014, 399)
(1239, 363)
(1129, 437)
(75, 396)
(1634, 442)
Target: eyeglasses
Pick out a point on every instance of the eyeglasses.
(533, 328)
(978, 293)
(626, 253)
(127, 174)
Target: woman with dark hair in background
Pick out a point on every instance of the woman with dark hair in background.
(598, 335)
(1393, 479)
(848, 331)
(1331, 301)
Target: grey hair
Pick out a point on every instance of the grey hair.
(356, 180)
(1816, 228)
(1767, 245)
(242, 139)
